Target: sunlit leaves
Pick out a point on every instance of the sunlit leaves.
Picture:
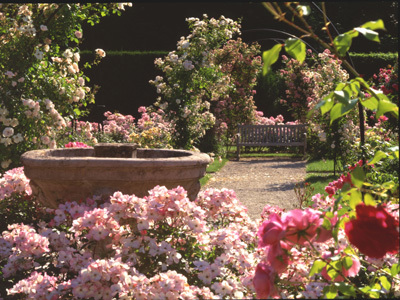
(374, 25)
(358, 177)
(340, 109)
(369, 34)
(343, 41)
(296, 48)
(385, 106)
(317, 267)
(270, 57)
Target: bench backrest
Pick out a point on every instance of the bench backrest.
(254, 135)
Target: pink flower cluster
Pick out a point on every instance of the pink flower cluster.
(279, 235)
(161, 245)
(76, 145)
(279, 120)
(14, 182)
(387, 79)
(118, 125)
(20, 245)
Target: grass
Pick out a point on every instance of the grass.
(211, 169)
(319, 173)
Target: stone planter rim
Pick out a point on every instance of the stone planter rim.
(37, 157)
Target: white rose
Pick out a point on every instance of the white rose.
(100, 52)
(38, 54)
(68, 53)
(5, 164)
(8, 131)
(187, 64)
(45, 140)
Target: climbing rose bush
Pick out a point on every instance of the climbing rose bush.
(41, 77)
(207, 81)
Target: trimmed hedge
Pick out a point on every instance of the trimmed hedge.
(124, 80)
(369, 64)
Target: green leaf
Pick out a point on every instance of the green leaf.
(270, 57)
(385, 106)
(347, 262)
(296, 48)
(327, 106)
(370, 103)
(385, 283)
(332, 269)
(342, 96)
(362, 81)
(330, 292)
(343, 41)
(345, 288)
(395, 269)
(378, 157)
(369, 200)
(355, 198)
(317, 267)
(358, 177)
(374, 25)
(77, 112)
(341, 109)
(369, 34)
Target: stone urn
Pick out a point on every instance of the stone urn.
(74, 174)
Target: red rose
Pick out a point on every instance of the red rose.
(374, 232)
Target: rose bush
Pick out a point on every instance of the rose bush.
(150, 131)
(41, 81)
(336, 245)
(145, 248)
(208, 82)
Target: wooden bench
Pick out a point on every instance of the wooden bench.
(271, 135)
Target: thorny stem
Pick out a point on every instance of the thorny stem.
(326, 22)
(380, 270)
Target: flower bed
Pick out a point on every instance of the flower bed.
(165, 245)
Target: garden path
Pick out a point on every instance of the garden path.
(258, 181)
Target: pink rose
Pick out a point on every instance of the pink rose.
(78, 34)
(271, 231)
(278, 256)
(301, 225)
(263, 281)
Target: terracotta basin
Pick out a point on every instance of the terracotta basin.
(73, 174)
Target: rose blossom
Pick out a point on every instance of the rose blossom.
(271, 231)
(278, 257)
(301, 225)
(263, 281)
(100, 52)
(374, 232)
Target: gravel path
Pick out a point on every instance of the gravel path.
(259, 181)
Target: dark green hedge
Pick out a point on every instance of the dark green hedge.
(369, 64)
(124, 79)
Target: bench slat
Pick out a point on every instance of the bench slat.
(271, 135)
